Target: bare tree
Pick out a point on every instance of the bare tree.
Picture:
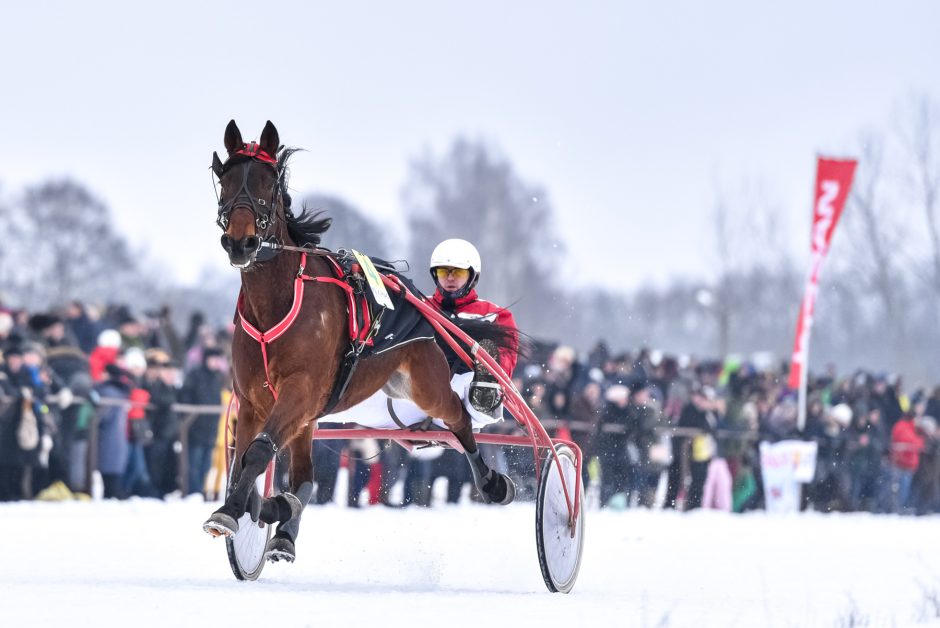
(877, 242)
(474, 193)
(747, 246)
(918, 136)
(67, 247)
(351, 228)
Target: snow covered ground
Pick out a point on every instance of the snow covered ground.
(148, 563)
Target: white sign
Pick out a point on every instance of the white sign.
(784, 466)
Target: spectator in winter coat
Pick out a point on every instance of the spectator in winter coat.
(585, 416)
(113, 446)
(701, 413)
(644, 419)
(136, 479)
(925, 485)
(160, 380)
(906, 445)
(105, 353)
(866, 441)
(830, 488)
(613, 443)
(11, 411)
(37, 423)
(932, 407)
(203, 386)
(81, 326)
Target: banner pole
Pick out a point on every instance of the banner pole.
(801, 397)
(831, 191)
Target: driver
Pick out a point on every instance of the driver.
(455, 269)
(455, 266)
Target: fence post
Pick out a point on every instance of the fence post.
(91, 455)
(182, 473)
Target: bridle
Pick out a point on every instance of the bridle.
(264, 211)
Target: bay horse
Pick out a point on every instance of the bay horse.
(284, 375)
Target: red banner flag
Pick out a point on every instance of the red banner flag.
(833, 180)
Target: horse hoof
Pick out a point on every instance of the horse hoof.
(499, 490)
(510, 492)
(220, 524)
(280, 548)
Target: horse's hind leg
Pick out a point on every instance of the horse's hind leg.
(287, 508)
(431, 391)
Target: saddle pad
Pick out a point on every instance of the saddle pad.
(399, 326)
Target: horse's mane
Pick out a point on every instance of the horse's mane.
(304, 228)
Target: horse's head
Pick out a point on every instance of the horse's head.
(253, 194)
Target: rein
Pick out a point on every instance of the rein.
(341, 254)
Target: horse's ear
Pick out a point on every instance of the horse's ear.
(233, 138)
(216, 164)
(269, 139)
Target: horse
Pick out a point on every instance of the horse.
(284, 377)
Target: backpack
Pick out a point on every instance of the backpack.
(27, 434)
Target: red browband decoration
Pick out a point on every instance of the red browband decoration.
(254, 151)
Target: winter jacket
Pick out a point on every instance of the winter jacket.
(203, 387)
(112, 427)
(906, 445)
(864, 449)
(472, 306)
(614, 431)
(163, 419)
(11, 410)
(100, 358)
(704, 446)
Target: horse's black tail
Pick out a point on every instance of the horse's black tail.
(505, 338)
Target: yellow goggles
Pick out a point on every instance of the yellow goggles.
(458, 273)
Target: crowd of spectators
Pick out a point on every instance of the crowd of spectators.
(681, 433)
(88, 394)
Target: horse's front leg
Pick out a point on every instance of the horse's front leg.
(224, 522)
(285, 421)
(287, 508)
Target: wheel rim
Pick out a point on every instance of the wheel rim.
(562, 551)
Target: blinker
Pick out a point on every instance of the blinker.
(216, 164)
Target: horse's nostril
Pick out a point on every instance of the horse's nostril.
(226, 243)
(252, 242)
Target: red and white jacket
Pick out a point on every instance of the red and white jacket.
(472, 306)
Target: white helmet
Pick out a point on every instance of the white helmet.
(457, 253)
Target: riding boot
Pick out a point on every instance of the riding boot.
(494, 488)
(484, 392)
(291, 508)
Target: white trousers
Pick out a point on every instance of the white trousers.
(373, 412)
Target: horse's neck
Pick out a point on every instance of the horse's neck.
(268, 291)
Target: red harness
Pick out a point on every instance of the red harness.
(264, 338)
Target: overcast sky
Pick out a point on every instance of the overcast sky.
(630, 114)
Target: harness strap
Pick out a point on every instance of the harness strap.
(393, 414)
(264, 338)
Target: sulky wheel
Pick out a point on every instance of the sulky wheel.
(246, 547)
(559, 551)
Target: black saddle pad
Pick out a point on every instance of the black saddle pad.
(398, 326)
(401, 325)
